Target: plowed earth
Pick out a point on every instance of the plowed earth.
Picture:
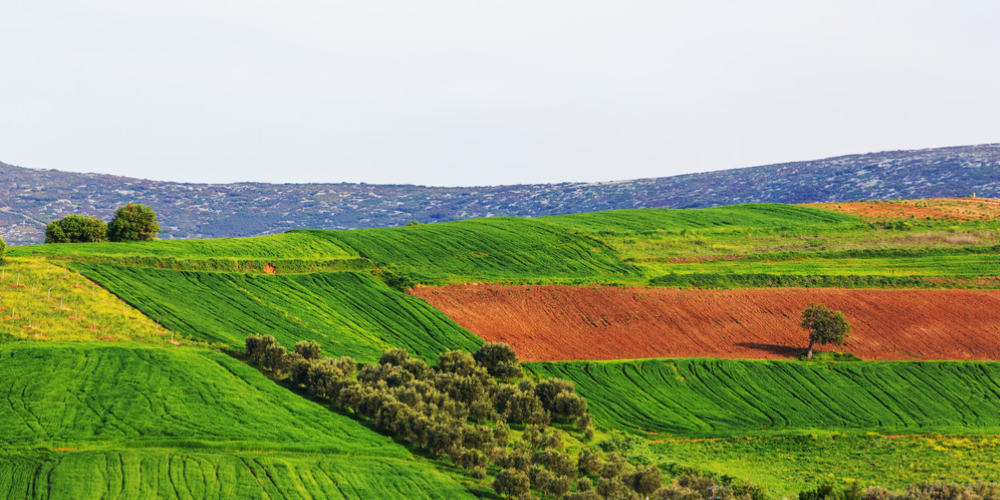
(962, 209)
(558, 323)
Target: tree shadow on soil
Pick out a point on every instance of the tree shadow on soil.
(780, 350)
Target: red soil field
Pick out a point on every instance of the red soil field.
(962, 209)
(558, 323)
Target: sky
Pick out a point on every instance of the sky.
(484, 92)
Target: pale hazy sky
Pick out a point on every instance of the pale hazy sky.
(481, 92)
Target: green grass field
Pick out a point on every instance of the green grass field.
(85, 420)
(349, 314)
(960, 265)
(290, 245)
(290, 252)
(716, 397)
(751, 216)
(786, 465)
(199, 475)
(494, 249)
(805, 240)
(85, 395)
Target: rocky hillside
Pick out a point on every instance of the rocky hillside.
(31, 198)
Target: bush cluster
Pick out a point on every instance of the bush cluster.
(132, 222)
(462, 409)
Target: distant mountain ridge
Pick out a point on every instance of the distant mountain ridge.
(30, 198)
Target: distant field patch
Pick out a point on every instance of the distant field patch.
(959, 209)
(349, 314)
(279, 253)
(502, 248)
(750, 216)
(290, 245)
(576, 323)
(719, 397)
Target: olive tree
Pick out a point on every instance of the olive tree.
(511, 483)
(825, 326)
(76, 228)
(133, 222)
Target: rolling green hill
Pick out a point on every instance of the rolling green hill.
(754, 216)
(349, 314)
(717, 397)
(494, 249)
(170, 474)
(97, 395)
(290, 245)
(286, 252)
(96, 421)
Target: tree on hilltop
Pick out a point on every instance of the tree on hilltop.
(133, 222)
(76, 228)
(825, 326)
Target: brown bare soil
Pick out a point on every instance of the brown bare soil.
(554, 322)
(962, 209)
(269, 269)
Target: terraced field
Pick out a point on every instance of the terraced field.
(70, 395)
(714, 397)
(553, 322)
(289, 245)
(755, 216)
(96, 421)
(290, 252)
(349, 314)
(495, 249)
(190, 474)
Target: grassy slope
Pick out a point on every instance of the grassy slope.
(81, 395)
(96, 421)
(197, 475)
(56, 304)
(495, 249)
(349, 314)
(731, 397)
(291, 245)
(752, 216)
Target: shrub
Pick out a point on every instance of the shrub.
(548, 389)
(589, 461)
(499, 360)
(76, 228)
(133, 222)
(511, 483)
(644, 480)
(273, 357)
(3, 249)
(308, 349)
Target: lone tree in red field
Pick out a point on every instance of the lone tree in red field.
(825, 326)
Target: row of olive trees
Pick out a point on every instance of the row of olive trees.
(132, 222)
(461, 408)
